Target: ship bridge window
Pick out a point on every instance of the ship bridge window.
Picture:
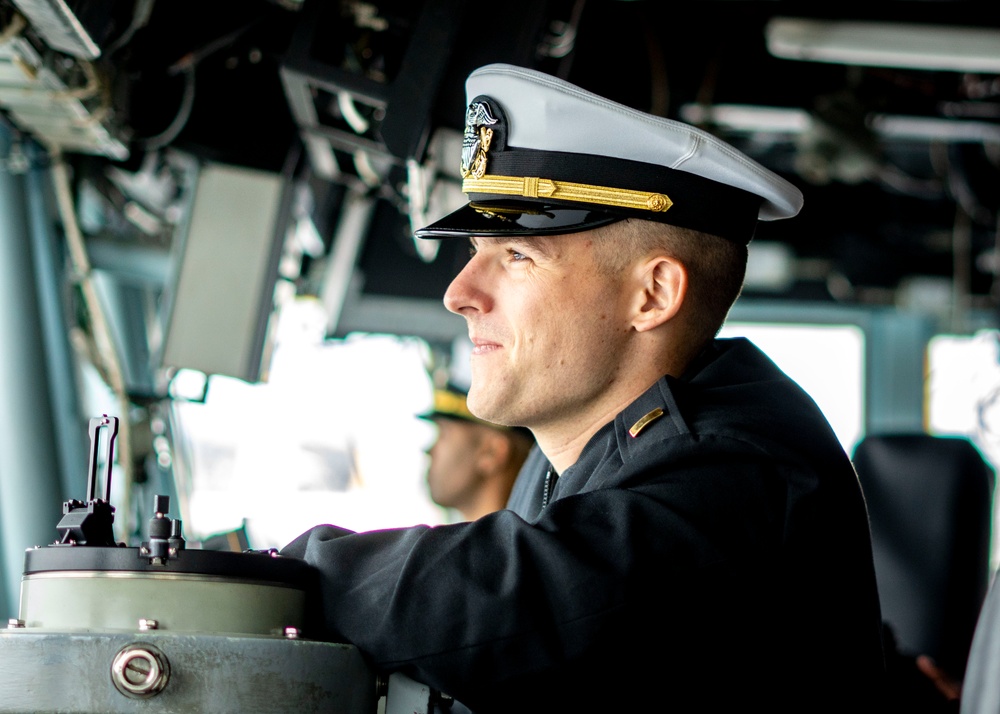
(963, 397)
(331, 436)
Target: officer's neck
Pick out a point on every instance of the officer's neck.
(562, 442)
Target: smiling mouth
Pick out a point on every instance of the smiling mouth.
(481, 347)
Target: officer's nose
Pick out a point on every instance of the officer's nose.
(466, 292)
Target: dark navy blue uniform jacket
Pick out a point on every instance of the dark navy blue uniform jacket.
(718, 560)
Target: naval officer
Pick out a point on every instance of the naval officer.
(688, 534)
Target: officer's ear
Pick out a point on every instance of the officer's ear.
(664, 285)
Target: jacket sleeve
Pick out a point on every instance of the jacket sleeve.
(483, 607)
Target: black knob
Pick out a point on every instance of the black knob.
(161, 504)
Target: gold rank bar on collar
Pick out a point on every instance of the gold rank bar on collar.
(534, 187)
(644, 422)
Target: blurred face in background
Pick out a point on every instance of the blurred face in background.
(453, 476)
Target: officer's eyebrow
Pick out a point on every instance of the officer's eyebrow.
(537, 244)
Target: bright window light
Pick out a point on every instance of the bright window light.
(827, 361)
(963, 388)
(963, 397)
(331, 437)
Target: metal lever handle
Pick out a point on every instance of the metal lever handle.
(96, 424)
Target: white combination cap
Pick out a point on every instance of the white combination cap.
(541, 156)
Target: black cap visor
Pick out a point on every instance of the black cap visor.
(516, 218)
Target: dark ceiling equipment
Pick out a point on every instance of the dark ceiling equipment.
(377, 92)
(887, 117)
(367, 80)
(379, 77)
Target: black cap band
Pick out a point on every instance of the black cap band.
(692, 201)
(697, 202)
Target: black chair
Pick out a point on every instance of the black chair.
(930, 504)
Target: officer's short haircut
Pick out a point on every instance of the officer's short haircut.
(716, 267)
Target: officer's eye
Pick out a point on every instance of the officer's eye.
(516, 256)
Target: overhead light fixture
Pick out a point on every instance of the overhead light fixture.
(749, 118)
(885, 44)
